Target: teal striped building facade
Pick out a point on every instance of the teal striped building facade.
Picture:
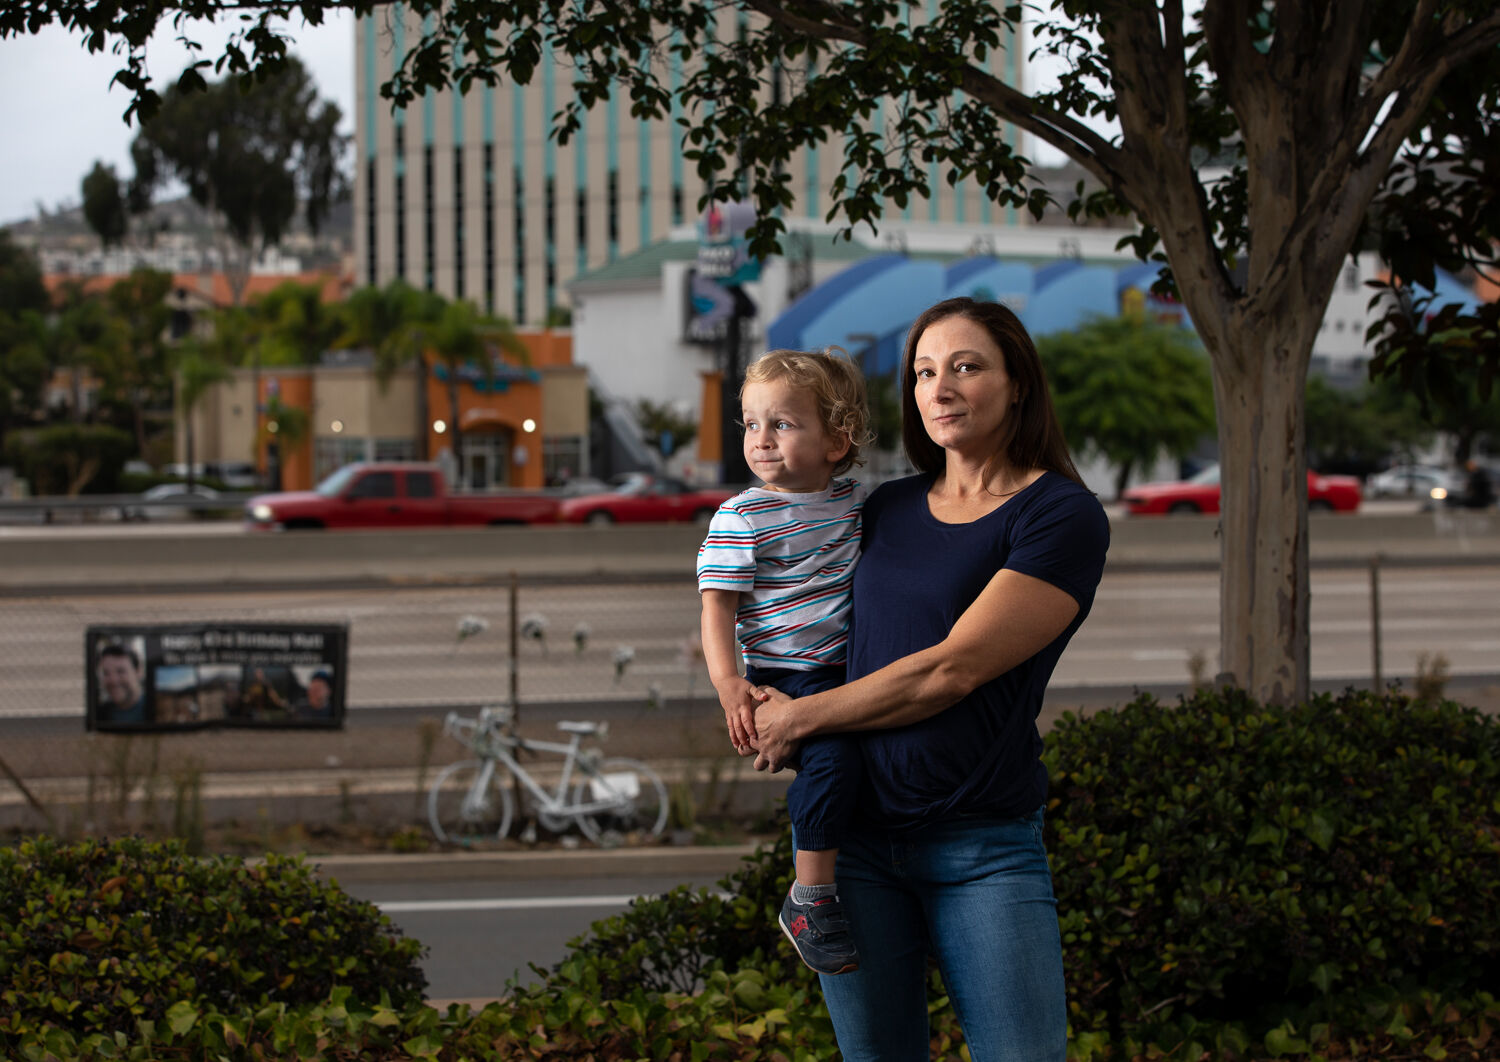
(469, 195)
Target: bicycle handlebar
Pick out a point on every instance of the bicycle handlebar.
(489, 727)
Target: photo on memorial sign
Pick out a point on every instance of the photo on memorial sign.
(188, 676)
(118, 681)
(180, 697)
(317, 689)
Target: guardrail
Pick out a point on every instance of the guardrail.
(47, 508)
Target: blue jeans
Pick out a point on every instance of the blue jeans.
(977, 893)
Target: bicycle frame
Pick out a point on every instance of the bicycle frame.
(498, 749)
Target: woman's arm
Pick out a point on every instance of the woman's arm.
(1012, 620)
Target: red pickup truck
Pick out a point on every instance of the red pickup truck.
(393, 495)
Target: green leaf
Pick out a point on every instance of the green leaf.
(1319, 830)
(1283, 1041)
(181, 1017)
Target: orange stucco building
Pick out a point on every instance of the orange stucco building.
(522, 423)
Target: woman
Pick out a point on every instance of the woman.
(974, 575)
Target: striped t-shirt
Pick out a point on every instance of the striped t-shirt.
(792, 557)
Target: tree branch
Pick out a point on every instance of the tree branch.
(1061, 130)
(1064, 132)
(1225, 25)
(1414, 84)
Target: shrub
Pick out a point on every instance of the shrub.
(1223, 864)
(99, 936)
(1227, 874)
(64, 458)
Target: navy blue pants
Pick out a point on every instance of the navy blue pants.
(821, 799)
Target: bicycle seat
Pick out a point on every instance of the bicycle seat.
(570, 727)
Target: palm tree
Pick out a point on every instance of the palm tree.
(401, 324)
(463, 336)
(197, 370)
(389, 322)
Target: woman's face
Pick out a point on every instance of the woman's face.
(962, 388)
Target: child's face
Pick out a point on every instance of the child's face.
(786, 444)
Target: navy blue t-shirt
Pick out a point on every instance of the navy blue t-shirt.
(916, 576)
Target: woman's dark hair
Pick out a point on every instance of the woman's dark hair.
(1033, 438)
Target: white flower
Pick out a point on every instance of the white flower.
(468, 626)
(534, 627)
(624, 654)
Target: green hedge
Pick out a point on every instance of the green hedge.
(99, 937)
(1223, 868)
(1233, 881)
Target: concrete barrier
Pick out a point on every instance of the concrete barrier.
(70, 557)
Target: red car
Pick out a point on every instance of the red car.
(643, 497)
(1200, 494)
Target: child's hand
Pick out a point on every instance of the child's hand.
(738, 699)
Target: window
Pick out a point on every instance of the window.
(563, 457)
(374, 485)
(333, 452)
(421, 485)
(458, 221)
(581, 209)
(400, 212)
(371, 266)
(612, 200)
(429, 223)
(395, 450)
(489, 228)
(520, 210)
(400, 225)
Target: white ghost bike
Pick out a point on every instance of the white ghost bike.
(613, 800)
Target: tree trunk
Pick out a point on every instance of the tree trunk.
(1264, 590)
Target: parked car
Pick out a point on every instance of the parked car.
(1408, 481)
(1200, 494)
(644, 497)
(391, 495)
(172, 501)
(236, 475)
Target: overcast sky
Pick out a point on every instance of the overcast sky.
(58, 113)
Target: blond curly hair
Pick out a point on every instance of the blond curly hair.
(837, 385)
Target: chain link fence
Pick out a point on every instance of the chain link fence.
(625, 650)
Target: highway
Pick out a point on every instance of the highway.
(1155, 621)
(1147, 629)
(483, 931)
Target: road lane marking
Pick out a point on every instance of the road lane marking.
(518, 903)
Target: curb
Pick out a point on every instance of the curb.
(580, 863)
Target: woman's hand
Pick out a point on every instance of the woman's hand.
(772, 742)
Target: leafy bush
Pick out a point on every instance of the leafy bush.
(99, 936)
(67, 458)
(1225, 869)
(669, 943)
(1233, 880)
(1227, 874)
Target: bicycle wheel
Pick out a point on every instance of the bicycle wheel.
(636, 793)
(461, 812)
